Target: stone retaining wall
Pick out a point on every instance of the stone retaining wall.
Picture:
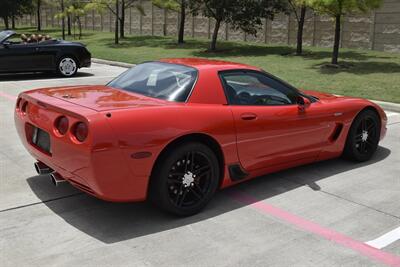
(379, 30)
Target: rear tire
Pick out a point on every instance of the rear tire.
(67, 66)
(185, 179)
(363, 137)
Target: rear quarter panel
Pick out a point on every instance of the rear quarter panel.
(152, 129)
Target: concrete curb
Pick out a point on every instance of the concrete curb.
(388, 106)
(113, 63)
(385, 105)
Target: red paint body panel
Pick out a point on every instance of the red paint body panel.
(127, 131)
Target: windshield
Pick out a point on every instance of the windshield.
(4, 35)
(159, 80)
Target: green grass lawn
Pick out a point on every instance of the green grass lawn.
(369, 74)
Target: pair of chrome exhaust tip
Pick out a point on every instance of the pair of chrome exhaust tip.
(55, 178)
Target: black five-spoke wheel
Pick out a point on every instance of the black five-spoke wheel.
(363, 137)
(186, 179)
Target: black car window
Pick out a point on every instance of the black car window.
(257, 89)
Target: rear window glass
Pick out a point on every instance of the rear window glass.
(159, 80)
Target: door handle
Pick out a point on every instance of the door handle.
(248, 116)
(37, 49)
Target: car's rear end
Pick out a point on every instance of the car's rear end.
(75, 144)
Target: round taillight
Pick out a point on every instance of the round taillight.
(81, 131)
(62, 125)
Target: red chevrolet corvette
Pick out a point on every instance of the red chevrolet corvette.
(176, 130)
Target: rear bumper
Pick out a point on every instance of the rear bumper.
(96, 166)
(86, 62)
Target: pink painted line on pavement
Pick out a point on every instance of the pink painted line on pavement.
(371, 252)
(9, 97)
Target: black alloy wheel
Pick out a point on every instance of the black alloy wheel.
(186, 179)
(363, 137)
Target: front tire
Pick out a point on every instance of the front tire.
(67, 66)
(185, 179)
(363, 137)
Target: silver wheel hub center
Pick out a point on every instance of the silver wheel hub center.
(188, 179)
(67, 66)
(364, 136)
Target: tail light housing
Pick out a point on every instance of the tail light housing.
(62, 125)
(80, 131)
(24, 106)
(18, 105)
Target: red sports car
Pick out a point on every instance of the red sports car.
(176, 130)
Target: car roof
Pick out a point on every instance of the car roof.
(204, 63)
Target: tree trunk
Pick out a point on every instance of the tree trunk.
(69, 25)
(336, 44)
(63, 20)
(5, 18)
(78, 20)
(213, 45)
(182, 23)
(300, 29)
(116, 40)
(122, 20)
(12, 22)
(39, 26)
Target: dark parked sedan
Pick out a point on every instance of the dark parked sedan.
(58, 56)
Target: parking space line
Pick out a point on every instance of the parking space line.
(367, 250)
(386, 239)
(7, 96)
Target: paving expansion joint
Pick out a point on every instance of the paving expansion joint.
(41, 202)
(345, 199)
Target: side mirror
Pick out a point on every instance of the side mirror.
(303, 103)
(6, 44)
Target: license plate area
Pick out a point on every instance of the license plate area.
(41, 140)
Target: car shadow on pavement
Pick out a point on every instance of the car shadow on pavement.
(115, 222)
(14, 77)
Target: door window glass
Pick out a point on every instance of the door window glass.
(253, 88)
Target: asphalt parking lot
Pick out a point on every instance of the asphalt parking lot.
(316, 215)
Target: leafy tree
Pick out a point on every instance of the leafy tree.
(75, 9)
(299, 8)
(11, 9)
(117, 7)
(111, 5)
(125, 4)
(246, 15)
(184, 7)
(337, 9)
(64, 14)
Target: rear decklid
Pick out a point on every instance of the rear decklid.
(101, 98)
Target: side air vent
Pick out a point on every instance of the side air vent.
(336, 132)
